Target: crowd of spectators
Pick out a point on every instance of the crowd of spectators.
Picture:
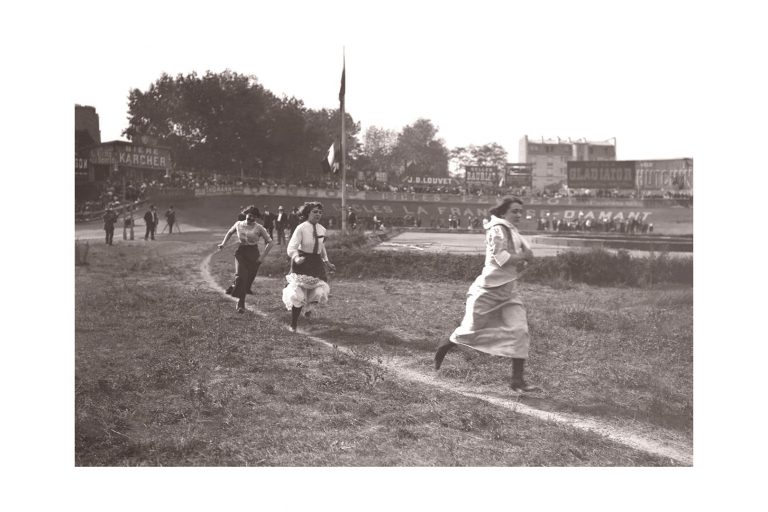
(630, 226)
(652, 194)
(110, 192)
(191, 180)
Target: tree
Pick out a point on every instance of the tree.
(217, 121)
(491, 154)
(379, 151)
(324, 127)
(418, 148)
(230, 123)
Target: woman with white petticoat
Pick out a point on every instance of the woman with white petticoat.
(307, 279)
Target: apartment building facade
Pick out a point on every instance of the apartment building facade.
(549, 157)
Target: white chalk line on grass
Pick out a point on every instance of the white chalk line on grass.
(661, 442)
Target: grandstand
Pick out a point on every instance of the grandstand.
(215, 200)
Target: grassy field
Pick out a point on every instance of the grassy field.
(167, 374)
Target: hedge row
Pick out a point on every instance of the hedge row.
(355, 258)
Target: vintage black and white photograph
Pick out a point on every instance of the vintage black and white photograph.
(376, 238)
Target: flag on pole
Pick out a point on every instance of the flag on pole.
(331, 160)
(343, 89)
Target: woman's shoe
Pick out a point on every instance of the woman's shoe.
(523, 387)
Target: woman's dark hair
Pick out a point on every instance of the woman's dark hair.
(501, 209)
(252, 210)
(308, 207)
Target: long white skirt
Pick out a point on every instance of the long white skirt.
(495, 322)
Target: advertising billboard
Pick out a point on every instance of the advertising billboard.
(601, 174)
(518, 175)
(428, 180)
(665, 175)
(482, 174)
(132, 155)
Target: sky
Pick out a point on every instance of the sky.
(667, 79)
(489, 73)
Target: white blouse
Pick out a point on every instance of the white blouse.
(249, 234)
(303, 239)
(499, 248)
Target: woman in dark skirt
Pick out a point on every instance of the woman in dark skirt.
(307, 279)
(247, 256)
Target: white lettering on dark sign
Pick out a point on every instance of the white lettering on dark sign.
(428, 180)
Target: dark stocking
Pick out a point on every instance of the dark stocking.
(442, 349)
(295, 312)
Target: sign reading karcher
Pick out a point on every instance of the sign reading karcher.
(132, 155)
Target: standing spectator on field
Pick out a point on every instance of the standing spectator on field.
(281, 222)
(351, 219)
(128, 223)
(269, 221)
(293, 220)
(151, 220)
(110, 217)
(170, 218)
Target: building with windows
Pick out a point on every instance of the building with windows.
(549, 157)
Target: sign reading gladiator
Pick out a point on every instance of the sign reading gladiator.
(601, 174)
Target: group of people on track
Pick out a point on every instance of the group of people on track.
(494, 322)
(307, 278)
(151, 221)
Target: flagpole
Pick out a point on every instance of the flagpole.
(342, 93)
